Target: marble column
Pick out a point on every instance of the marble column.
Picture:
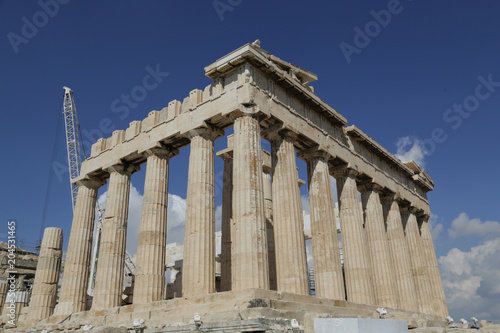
(249, 256)
(227, 212)
(412, 235)
(357, 270)
(378, 248)
(73, 293)
(328, 276)
(4, 287)
(268, 207)
(149, 283)
(438, 303)
(400, 255)
(291, 263)
(198, 271)
(110, 266)
(44, 293)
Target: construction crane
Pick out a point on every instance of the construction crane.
(76, 155)
(73, 142)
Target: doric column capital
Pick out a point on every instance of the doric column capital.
(207, 131)
(423, 215)
(279, 131)
(91, 182)
(314, 152)
(345, 171)
(289, 135)
(249, 110)
(162, 152)
(408, 209)
(391, 197)
(403, 208)
(370, 186)
(124, 168)
(412, 210)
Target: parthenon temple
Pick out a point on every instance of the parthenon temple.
(388, 258)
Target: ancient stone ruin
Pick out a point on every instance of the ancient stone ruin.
(12, 303)
(388, 255)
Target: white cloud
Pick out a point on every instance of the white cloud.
(307, 226)
(470, 281)
(411, 149)
(305, 203)
(309, 253)
(218, 218)
(435, 227)
(333, 187)
(305, 212)
(176, 215)
(134, 217)
(464, 226)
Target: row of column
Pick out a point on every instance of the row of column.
(389, 256)
(150, 268)
(383, 265)
(378, 254)
(199, 263)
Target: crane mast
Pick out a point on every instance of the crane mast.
(73, 141)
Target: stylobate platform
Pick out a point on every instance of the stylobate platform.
(254, 310)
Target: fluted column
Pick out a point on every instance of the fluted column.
(328, 277)
(73, 294)
(400, 255)
(291, 263)
(227, 212)
(4, 287)
(378, 248)
(249, 257)
(110, 266)
(268, 207)
(198, 271)
(438, 303)
(149, 283)
(356, 266)
(418, 265)
(44, 293)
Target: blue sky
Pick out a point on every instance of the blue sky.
(400, 81)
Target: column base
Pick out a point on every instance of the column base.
(63, 308)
